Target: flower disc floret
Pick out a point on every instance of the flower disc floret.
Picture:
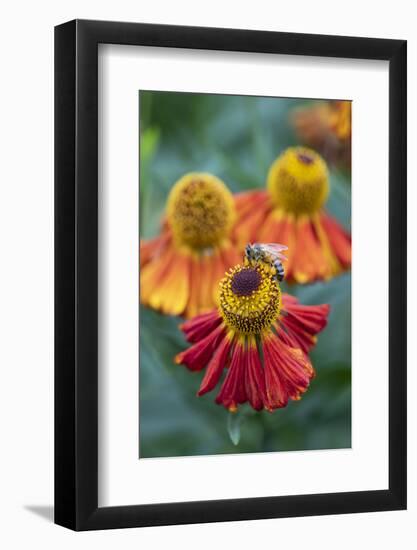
(298, 181)
(200, 211)
(250, 299)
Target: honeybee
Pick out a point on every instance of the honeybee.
(270, 253)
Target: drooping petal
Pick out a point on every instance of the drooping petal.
(296, 369)
(232, 392)
(246, 200)
(224, 258)
(252, 208)
(152, 248)
(299, 324)
(217, 364)
(287, 236)
(275, 392)
(339, 240)
(153, 273)
(270, 227)
(328, 252)
(254, 377)
(204, 288)
(171, 297)
(288, 372)
(147, 250)
(218, 272)
(200, 326)
(197, 356)
(192, 308)
(309, 263)
(230, 256)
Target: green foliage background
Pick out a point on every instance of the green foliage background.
(236, 138)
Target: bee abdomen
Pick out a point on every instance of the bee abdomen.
(280, 270)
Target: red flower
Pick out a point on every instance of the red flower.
(259, 337)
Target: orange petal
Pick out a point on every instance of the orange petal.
(245, 202)
(309, 261)
(193, 299)
(219, 271)
(230, 255)
(172, 294)
(287, 237)
(252, 210)
(270, 228)
(152, 274)
(152, 248)
(328, 253)
(205, 300)
(339, 239)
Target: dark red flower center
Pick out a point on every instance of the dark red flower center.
(245, 282)
(304, 158)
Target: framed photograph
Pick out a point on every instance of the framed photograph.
(230, 253)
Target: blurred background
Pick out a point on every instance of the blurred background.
(236, 138)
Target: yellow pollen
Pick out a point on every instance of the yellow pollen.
(250, 298)
(200, 211)
(298, 181)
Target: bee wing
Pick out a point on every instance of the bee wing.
(275, 249)
(276, 246)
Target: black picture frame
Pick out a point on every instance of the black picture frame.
(76, 272)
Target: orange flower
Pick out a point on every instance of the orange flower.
(181, 268)
(260, 337)
(291, 212)
(327, 127)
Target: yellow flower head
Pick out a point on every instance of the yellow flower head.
(298, 181)
(182, 266)
(200, 211)
(250, 299)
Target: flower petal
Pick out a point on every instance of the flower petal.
(254, 377)
(153, 273)
(232, 391)
(252, 208)
(200, 326)
(339, 240)
(328, 252)
(152, 248)
(215, 368)
(193, 298)
(299, 324)
(173, 293)
(288, 372)
(309, 262)
(205, 295)
(197, 356)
